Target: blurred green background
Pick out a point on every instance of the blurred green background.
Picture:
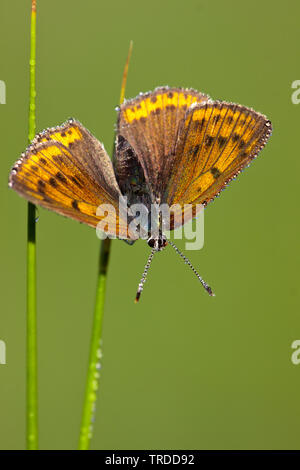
(180, 370)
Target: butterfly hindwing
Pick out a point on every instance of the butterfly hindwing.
(216, 141)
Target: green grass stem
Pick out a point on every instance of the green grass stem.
(31, 333)
(92, 380)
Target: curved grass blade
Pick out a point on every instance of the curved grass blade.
(92, 380)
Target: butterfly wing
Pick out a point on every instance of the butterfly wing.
(150, 124)
(216, 141)
(67, 170)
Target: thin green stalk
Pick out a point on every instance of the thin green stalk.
(31, 396)
(86, 429)
(90, 398)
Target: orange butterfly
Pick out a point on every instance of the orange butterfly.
(173, 146)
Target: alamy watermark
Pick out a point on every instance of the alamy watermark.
(2, 92)
(296, 94)
(2, 352)
(152, 222)
(295, 357)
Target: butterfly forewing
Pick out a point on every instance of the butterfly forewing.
(68, 171)
(150, 124)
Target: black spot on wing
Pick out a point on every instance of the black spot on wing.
(215, 172)
(41, 186)
(53, 182)
(61, 177)
(75, 205)
(209, 140)
(77, 181)
(222, 141)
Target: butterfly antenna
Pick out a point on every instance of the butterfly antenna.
(187, 261)
(144, 276)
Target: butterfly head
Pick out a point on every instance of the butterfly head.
(158, 243)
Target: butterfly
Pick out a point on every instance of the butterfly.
(173, 146)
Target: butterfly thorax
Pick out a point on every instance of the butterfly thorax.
(130, 174)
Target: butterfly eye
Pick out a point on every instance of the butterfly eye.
(151, 242)
(162, 242)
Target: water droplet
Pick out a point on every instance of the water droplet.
(99, 354)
